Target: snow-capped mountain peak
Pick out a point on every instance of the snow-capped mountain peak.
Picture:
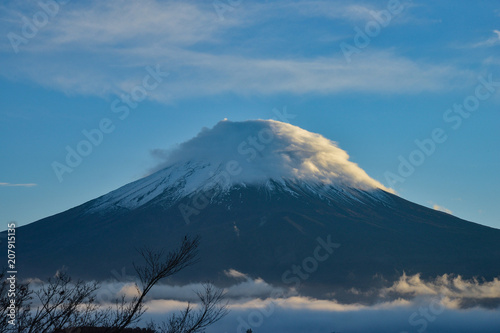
(249, 153)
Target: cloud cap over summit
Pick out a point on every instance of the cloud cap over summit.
(258, 150)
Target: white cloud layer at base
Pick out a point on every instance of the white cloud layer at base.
(411, 304)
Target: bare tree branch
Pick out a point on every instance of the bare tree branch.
(211, 309)
(65, 306)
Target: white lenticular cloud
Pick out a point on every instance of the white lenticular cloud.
(268, 149)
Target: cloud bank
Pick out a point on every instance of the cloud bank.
(411, 304)
(451, 292)
(454, 291)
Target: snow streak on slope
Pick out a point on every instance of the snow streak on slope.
(249, 152)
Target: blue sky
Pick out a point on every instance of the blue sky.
(373, 76)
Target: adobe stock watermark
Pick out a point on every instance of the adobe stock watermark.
(250, 148)
(223, 6)
(372, 28)
(420, 319)
(454, 116)
(30, 27)
(294, 276)
(95, 136)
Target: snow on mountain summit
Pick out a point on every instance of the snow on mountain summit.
(266, 149)
(247, 152)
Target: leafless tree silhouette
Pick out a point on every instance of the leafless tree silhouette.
(71, 307)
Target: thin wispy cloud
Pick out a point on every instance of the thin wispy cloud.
(196, 48)
(18, 185)
(357, 12)
(203, 74)
(441, 209)
(327, 9)
(492, 41)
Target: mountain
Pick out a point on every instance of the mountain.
(270, 200)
